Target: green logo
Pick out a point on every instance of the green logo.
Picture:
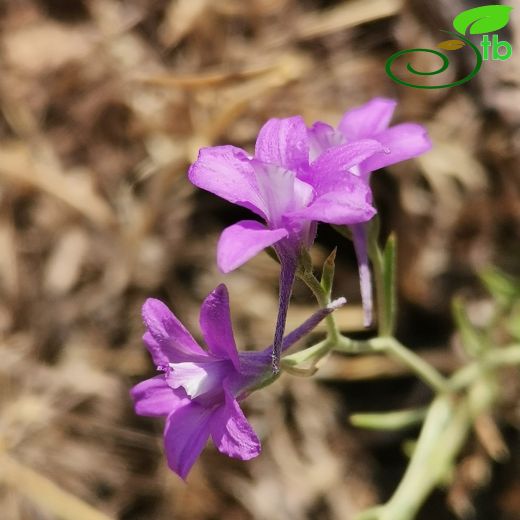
(480, 20)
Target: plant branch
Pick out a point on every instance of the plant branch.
(426, 372)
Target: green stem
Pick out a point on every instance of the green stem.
(353, 346)
(394, 348)
(423, 369)
(313, 353)
(321, 349)
(444, 431)
(376, 257)
(384, 266)
(509, 355)
(389, 421)
(323, 300)
(496, 358)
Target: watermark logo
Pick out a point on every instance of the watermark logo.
(480, 20)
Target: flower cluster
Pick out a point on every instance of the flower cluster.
(297, 177)
(300, 176)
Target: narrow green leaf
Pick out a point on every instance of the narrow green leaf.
(389, 420)
(327, 274)
(472, 339)
(374, 227)
(500, 285)
(513, 327)
(481, 20)
(305, 261)
(513, 322)
(390, 284)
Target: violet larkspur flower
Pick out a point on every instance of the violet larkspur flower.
(289, 192)
(199, 390)
(400, 142)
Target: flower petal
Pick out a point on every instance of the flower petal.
(227, 172)
(283, 142)
(321, 137)
(167, 338)
(368, 120)
(243, 240)
(154, 398)
(215, 324)
(402, 142)
(231, 431)
(185, 435)
(340, 208)
(330, 170)
(342, 196)
(158, 356)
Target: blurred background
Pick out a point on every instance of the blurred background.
(103, 105)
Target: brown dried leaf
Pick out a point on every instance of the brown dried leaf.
(345, 16)
(181, 17)
(47, 46)
(207, 79)
(64, 265)
(19, 166)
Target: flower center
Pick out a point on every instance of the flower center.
(281, 191)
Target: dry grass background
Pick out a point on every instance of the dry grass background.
(103, 104)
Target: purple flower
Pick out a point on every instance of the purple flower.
(198, 390)
(400, 142)
(289, 192)
(371, 121)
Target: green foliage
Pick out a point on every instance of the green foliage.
(389, 421)
(513, 322)
(305, 261)
(390, 283)
(327, 274)
(503, 287)
(473, 340)
(460, 398)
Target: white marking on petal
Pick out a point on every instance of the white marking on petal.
(303, 195)
(195, 378)
(276, 186)
(355, 170)
(281, 191)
